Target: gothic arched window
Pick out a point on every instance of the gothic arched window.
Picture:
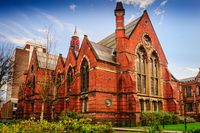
(154, 74)
(141, 70)
(69, 79)
(84, 76)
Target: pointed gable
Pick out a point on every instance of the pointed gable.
(71, 58)
(60, 62)
(144, 26)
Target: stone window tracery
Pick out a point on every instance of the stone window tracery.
(84, 85)
(84, 76)
(141, 70)
(154, 74)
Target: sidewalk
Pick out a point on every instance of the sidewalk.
(125, 130)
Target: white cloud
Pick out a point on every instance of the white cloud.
(181, 72)
(72, 7)
(52, 19)
(163, 3)
(159, 11)
(41, 30)
(161, 19)
(15, 33)
(18, 40)
(141, 3)
(131, 18)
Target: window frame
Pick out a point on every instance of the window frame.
(70, 74)
(141, 63)
(84, 76)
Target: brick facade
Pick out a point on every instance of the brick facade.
(191, 96)
(112, 80)
(21, 60)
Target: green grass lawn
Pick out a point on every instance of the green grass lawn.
(178, 127)
(181, 127)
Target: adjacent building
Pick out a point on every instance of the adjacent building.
(21, 60)
(191, 96)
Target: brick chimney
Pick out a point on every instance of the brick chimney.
(120, 31)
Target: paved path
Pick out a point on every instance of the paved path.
(128, 130)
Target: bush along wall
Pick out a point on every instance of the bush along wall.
(161, 117)
(68, 123)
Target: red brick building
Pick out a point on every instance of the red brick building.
(21, 58)
(114, 79)
(191, 96)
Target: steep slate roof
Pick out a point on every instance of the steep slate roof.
(48, 61)
(104, 49)
(110, 42)
(188, 79)
(103, 53)
(191, 78)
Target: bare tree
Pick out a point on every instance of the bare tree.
(48, 89)
(6, 65)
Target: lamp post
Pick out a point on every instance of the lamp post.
(185, 119)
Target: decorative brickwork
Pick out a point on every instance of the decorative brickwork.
(112, 80)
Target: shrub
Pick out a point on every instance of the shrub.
(69, 122)
(196, 130)
(154, 118)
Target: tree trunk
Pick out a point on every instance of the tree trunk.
(42, 111)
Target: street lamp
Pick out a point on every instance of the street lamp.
(185, 119)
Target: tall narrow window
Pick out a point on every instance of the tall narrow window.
(32, 68)
(138, 63)
(188, 91)
(69, 80)
(159, 105)
(141, 105)
(154, 106)
(32, 106)
(189, 107)
(84, 104)
(84, 76)
(141, 70)
(154, 74)
(198, 90)
(147, 105)
(33, 89)
(138, 74)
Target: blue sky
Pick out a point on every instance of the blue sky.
(176, 22)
